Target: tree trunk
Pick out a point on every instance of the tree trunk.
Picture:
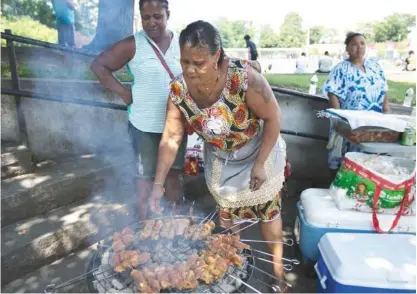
(115, 22)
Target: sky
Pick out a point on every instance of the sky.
(329, 13)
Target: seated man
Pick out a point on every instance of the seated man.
(325, 63)
(301, 64)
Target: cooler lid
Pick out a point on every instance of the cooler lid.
(386, 261)
(320, 211)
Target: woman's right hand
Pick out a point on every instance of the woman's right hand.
(155, 199)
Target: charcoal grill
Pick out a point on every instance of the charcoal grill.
(101, 277)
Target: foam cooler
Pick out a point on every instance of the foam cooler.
(318, 214)
(366, 263)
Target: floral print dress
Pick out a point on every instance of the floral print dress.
(232, 135)
(356, 90)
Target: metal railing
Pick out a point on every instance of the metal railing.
(18, 93)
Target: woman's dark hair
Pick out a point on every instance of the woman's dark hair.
(246, 37)
(350, 36)
(164, 3)
(203, 34)
(410, 52)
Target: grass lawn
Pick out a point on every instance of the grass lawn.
(301, 82)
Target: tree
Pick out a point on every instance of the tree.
(330, 36)
(232, 32)
(39, 10)
(367, 29)
(316, 34)
(291, 33)
(395, 27)
(115, 22)
(268, 37)
(86, 16)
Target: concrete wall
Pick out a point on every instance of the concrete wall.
(9, 126)
(61, 129)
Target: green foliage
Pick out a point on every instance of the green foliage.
(232, 32)
(54, 71)
(86, 16)
(291, 33)
(301, 82)
(39, 10)
(316, 34)
(323, 35)
(394, 28)
(5, 70)
(268, 37)
(367, 29)
(86, 13)
(27, 27)
(330, 36)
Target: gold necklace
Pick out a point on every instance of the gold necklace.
(214, 86)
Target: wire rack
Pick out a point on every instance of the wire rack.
(101, 277)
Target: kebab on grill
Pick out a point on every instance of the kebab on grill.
(121, 240)
(227, 247)
(216, 265)
(146, 232)
(182, 276)
(167, 228)
(129, 259)
(175, 227)
(198, 232)
(154, 278)
(233, 240)
(141, 282)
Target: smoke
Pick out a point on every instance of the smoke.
(80, 133)
(95, 139)
(66, 131)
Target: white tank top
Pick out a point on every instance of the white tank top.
(151, 81)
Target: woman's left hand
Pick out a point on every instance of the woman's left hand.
(257, 176)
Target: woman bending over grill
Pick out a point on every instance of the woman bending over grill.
(231, 106)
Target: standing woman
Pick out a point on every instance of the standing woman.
(152, 56)
(357, 83)
(232, 107)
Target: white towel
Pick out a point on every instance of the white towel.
(363, 118)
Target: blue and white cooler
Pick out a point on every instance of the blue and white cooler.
(366, 263)
(318, 215)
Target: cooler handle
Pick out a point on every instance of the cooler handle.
(321, 279)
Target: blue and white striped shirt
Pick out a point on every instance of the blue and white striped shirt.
(151, 83)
